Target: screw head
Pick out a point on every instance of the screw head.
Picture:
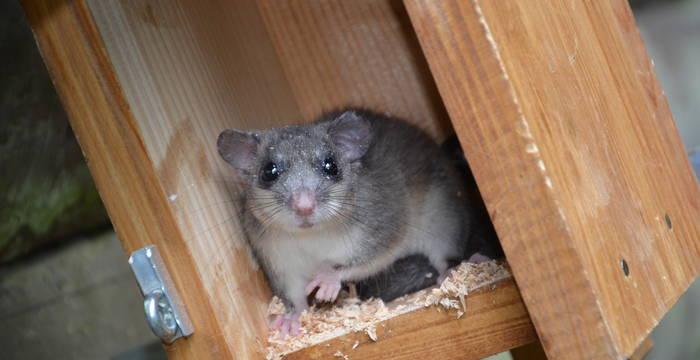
(160, 316)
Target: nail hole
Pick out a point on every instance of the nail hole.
(668, 221)
(625, 268)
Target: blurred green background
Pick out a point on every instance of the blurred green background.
(66, 291)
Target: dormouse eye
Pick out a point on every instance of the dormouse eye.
(329, 168)
(270, 172)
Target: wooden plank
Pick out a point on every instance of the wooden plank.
(578, 160)
(188, 71)
(137, 176)
(361, 52)
(496, 320)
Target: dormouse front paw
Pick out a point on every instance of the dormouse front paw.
(328, 284)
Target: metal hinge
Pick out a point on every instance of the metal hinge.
(165, 312)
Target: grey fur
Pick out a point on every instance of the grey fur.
(404, 276)
(401, 197)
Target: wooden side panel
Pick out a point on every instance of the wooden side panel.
(361, 52)
(188, 71)
(496, 320)
(578, 159)
(128, 181)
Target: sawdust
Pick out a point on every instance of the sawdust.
(352, 315)
(339, 354)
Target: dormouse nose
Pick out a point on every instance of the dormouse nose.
(303, 202)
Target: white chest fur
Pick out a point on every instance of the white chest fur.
(302, 253)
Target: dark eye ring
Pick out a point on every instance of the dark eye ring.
(329, 167)
(270, 172)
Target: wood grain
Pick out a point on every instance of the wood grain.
(578, 160)
(361, 52)
(118, 160)
(190, 70)
(495, 321)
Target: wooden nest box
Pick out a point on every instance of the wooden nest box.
(556, 105)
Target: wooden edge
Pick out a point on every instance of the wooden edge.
(643, 349)
(488, 119)
(119, 163)
(496, 320)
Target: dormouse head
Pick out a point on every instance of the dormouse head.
(300, 176)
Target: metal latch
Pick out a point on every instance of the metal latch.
(165, 312)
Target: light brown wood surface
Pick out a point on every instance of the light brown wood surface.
(120, 164)
(360, 52)
(495, 321)
(188, 71)
(577, 157)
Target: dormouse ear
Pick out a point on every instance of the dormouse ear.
(238, 148)
(350, 133)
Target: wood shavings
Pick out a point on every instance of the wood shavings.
(371, 332)
(356, 344)
(275, 307)
(352, 315)
(339, 354)
(463, 302)
(448, 303)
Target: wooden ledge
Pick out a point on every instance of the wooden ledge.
(496, 320)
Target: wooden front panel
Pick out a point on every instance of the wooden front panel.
(495, 321)
(578, 159)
